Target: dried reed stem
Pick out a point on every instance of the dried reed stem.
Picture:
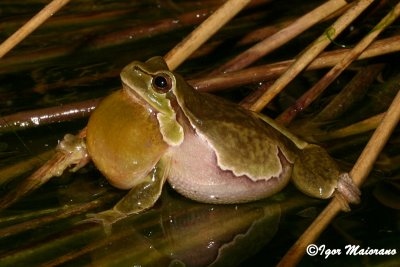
(64, 212)
(352, 92)
(312, 52)
(204, 31)
(9, 172)
(73, 254)
(24, 119)
(27, 119)
(359, 173)
(307, 98)
(281, 37)
(271, 71)
(357, 128)
(31, 25)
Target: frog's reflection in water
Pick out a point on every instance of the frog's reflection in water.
(178, 230)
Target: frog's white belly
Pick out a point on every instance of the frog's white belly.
(195, 174)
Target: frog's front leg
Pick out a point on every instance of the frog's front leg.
(71, 151)
(316, 174)
(75, 151)
(143, 196)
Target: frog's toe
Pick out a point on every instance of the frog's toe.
(106, 219)
(348, 192)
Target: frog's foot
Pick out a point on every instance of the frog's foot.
(74, 148)
(347, 192)
(106, 219)
(70, 151)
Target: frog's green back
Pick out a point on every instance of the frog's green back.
(243, 143)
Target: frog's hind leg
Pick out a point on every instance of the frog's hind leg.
(316, 174)
(143, 196)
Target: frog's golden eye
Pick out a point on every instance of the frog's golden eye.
(162, 83)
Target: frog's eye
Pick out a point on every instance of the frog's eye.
(162, 83)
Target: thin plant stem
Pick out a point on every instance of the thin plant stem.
(88, 248)
(27, 119)
(15, 170)
(307, 98)
(64, 212)
(351, 93)
(203, 32)
(31, 25)
(271, 71)
(311, 53)
(359, 174)
(281, 37)
(356, 128)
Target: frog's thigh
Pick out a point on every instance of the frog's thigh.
(315, 173)
(143, 196)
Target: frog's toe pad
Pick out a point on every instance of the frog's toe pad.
(106, 219)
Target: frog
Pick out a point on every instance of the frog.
(159, 129)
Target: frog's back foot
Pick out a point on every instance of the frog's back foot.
(347, 191)
(106, 219)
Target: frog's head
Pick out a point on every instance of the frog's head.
(153, 83)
